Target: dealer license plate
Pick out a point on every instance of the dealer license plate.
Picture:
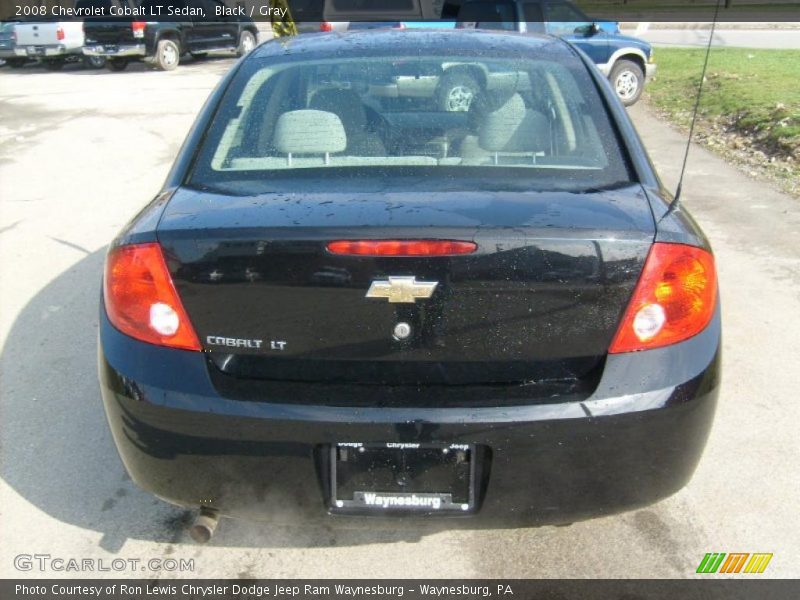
(402, 478)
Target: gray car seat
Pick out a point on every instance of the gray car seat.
(309, 132)
(316, 138)
(347, 105)
(507, 134)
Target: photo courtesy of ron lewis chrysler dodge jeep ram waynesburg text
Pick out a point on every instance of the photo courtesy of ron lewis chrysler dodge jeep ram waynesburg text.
(341, 305)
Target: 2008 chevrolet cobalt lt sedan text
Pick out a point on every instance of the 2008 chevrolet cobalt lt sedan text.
(346, 303)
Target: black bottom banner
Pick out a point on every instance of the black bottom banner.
(412, 589)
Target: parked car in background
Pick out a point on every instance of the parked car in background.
(362, 25)
(627, 61)
(341, 15)
(321, 26)
(8, 41)
(163, 43)
(54, 43)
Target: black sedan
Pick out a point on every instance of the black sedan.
(345, 303)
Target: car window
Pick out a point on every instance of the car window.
(440, 115)
(304, 10)
(563, 18)
(488, 15)
(361, 25)
(360, 5)
(342, 10)
(105, 5)
(534, 17)
(561, 11)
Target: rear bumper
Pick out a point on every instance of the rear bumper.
(34, 51)
(125, 51)
(636, 440)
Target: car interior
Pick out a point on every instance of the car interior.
(359, 114)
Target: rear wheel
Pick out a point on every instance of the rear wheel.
(247, 41)
(94, 62)
(627, 79)
(168, 55)
(16, 63)
(117, 64)
(54, 64)
(456, 92)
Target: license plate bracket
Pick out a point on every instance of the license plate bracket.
(402, 478)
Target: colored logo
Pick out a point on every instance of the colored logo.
(734, 562)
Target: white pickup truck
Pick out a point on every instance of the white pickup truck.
(53, 43)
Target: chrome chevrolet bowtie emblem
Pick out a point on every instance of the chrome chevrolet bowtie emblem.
(401, 289)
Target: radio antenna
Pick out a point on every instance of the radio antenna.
(676, 200)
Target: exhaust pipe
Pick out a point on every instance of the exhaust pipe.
(204, 525)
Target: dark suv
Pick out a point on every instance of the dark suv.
(162, 43)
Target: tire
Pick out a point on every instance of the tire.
(94, 62)
(247, 41)
(16, 63)
(456, 92)
(54, 64)
(168, 55)
(627, 79)
(117, 64)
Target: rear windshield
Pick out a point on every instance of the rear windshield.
(512, 120)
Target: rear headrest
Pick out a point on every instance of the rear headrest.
(498, 126)
(309, 132)
(532, 135)
(346, 104)
(483, 104)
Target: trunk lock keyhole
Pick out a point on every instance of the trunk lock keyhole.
(401, 331)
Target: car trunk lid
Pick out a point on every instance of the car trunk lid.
(538, 300)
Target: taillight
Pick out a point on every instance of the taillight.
(325, 26)
(138, 28)
(141, 300)
(60, 33)
(674, 299)
(401, 247)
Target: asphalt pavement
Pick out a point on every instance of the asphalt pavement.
(785, 39)
(82, 151)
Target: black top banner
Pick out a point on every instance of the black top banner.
(404, 11)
